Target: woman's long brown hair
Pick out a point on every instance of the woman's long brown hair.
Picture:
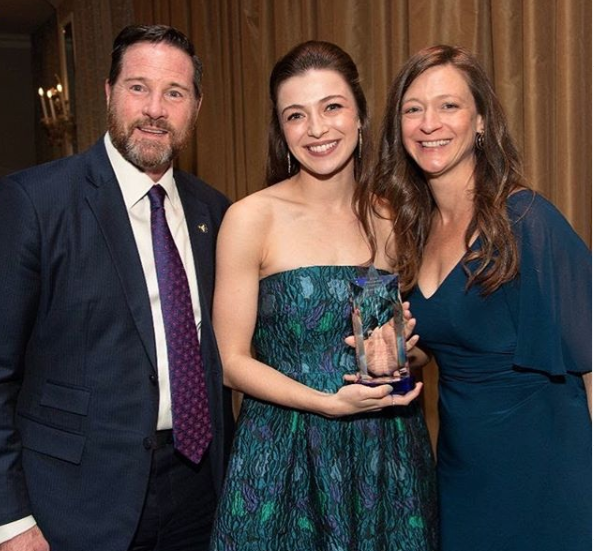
(400, 182)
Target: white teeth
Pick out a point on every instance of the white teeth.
(153, 130)
(435, 143)
(322, 148)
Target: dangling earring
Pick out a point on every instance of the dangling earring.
(289, 162)
(479, 141)
(360, 151)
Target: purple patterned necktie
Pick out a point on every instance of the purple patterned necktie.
(189, 400)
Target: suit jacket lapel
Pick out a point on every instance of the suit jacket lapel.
(105, 200)
(202, 239)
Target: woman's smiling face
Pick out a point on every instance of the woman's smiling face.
(319, 119)
(440, 122)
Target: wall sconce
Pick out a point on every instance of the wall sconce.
(57, 120)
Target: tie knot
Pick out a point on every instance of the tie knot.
(156, 196)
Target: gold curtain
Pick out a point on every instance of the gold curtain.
(538, 53)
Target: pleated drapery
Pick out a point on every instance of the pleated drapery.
(537, 52)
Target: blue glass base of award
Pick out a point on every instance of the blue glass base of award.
(378, 327)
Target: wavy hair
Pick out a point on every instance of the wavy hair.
(497, 173)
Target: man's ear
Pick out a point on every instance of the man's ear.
(107, 91)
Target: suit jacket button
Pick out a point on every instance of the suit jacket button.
(148, 443)
(153, 378)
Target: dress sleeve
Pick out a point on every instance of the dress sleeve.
(552, 297)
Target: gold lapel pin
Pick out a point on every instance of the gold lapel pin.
(203, 228)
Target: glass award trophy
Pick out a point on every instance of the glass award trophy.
(378, 327)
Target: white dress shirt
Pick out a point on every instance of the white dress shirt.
(135, 185)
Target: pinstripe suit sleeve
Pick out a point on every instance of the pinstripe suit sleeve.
(19, 296)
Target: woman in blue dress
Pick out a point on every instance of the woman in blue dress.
(500, 286)
(317, 465)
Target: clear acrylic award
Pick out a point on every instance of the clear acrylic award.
(378, 327)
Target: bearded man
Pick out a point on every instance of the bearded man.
(114, 424)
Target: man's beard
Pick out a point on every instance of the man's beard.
(147, 154)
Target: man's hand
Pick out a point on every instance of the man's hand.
(30, 540)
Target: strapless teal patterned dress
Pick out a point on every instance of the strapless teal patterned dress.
(302, 482)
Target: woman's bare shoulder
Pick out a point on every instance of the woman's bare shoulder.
(251, 206)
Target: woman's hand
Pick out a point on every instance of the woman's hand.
(384, 336)
(357, 398)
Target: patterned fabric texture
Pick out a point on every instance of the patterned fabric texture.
(300, 481)
(189, 400)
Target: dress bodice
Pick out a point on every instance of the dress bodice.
(304, 315)
(512, 405)
(299, 480)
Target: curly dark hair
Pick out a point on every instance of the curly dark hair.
(497, 173)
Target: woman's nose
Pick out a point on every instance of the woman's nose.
(317, 127)
(431, 121)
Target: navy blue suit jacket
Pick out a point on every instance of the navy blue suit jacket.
(78, 388)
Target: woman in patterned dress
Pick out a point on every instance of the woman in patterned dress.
(317, 464)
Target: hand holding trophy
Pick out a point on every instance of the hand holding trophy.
(379, 331)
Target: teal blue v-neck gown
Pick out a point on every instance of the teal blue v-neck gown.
(514, 448)
(303, 482)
